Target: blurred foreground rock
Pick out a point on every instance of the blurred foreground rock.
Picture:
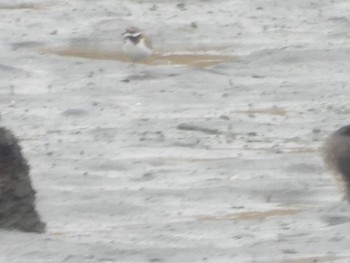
(17, 197)
(336, 153)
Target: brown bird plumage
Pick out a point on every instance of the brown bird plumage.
(136, 44)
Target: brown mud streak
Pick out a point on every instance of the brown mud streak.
(194, 60)
(75, 233)
(252, 215)
(271, 111)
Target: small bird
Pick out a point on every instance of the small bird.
(336, 153)
(136, 44)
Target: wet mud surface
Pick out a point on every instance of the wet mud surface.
(206, 152)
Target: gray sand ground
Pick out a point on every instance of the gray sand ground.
(184, 164)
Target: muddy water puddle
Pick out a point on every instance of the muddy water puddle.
(198, 60)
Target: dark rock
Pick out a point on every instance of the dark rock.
(74, 112)
(194, 25)
(336, 152)
(252, 134)
(224, 117)
(181, 6)
(153, 8)
(191, 127)
(17, 197)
